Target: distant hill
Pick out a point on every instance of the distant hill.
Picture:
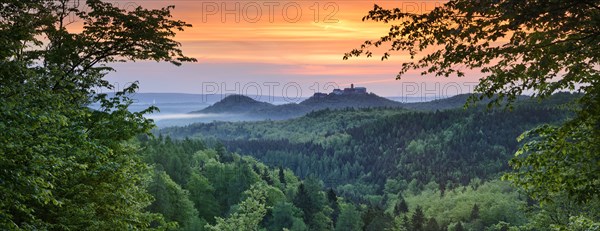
(246, 108)
(333, 101)
(236, 104)
(458, 101)
(452, 102)
(280, 112)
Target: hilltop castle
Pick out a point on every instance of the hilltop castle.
(347, 91)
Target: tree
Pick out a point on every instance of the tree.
(431, 225)
(172, 201)
(265, 175)
(202, 194)
(458, 227)
(224, 156)
(311, 200)
(334, 204)
(401, 223)
(417, 220)
(349, 219)
(285, 215)
(375, 218)
(249, 214)
(282, 177)
(303, 201)
(475, 212)
(401, 206)
(557, 160)
(61, 161)
(520, 46)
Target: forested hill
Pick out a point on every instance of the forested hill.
(235, 104)
(252, 110)
(333, 101)
(360, 149)
(239, 104)
(315, 126)
(458, 101)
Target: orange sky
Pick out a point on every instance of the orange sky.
(283, 41)
(282, 32)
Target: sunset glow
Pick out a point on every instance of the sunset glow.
(283, 41)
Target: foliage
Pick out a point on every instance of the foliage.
(417, 220)
(285, 215)
(349, 219)
(61, 161)
(312, 202)
(580, 223)
(248, 215)
(497, 201)
(202, 194)
(519, 45)
(240, 193)
(172, 201)
(559, 159)
(431, 225)
(536, 46)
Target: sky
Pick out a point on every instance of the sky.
(282, 48)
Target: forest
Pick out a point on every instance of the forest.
(392, 169)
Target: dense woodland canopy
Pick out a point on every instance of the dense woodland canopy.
(341, 146)
(401, 170)
(193, 184)
(391, 164)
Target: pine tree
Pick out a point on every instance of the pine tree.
(418, 219)
(459, 227)
(282, 176)
(266, 177)
(475, 212)
(349, 219)
(432, 225)
(224, 156)
(334, 204)
(302, 201)
(405, 223)
(401, 206)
